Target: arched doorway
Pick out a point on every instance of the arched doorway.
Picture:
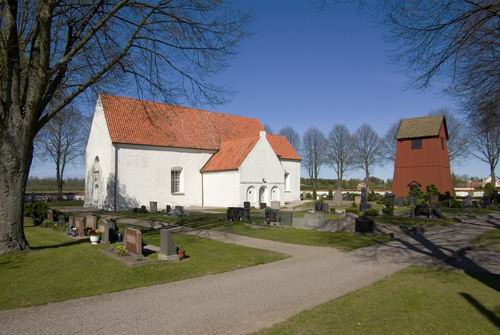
(263, 194)
(275, 194)
(250, 194)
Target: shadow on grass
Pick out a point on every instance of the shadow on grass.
(60, 245)
(490, 315)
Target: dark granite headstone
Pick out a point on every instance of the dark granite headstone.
(262, 205)
(168, 210)
(286, 218)
(364, 225)
(364, 205)
(272, 215)
(153, 207)
(318, 206)
(179, 211)
(485, 202)
(467, 202)
(423, 210)
(389, 199)
(496, 197)
(168, 251)
(237, 214)
(246, 204)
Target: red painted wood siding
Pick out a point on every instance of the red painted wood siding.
(429, 165)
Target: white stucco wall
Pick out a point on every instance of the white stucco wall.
(222, 189)
(144, 175)
(262, 170)
(293, 168)
(99, 145)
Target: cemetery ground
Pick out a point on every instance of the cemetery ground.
(60, 268)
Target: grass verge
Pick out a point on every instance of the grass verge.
(59, 268)
(489, 240)
(399, 220)
(417, 300)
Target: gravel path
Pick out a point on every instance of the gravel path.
(240, 301)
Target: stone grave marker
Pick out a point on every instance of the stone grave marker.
(364, 205)
(286, 219)
(324, 207)
(337, 198)
(246, 204)
(399, 201)
(314, 220)
(71, 220)
(179, 211)
(50, 215)
(357, 200)
(275, 204)
(272, 215)
(467, 202)
(485, 202)
(262, 205)
(107, 229)
(132, 240)
(153, 207)
(168, 209)
(61, 220)
(80, 225)
(91, 221)
(168, 252)
(364, 225)
(434, 200)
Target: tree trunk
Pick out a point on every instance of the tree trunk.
(14, 169)
(493, 176)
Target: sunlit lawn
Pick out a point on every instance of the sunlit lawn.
(489, 240)
(418, 300)
(60, 268)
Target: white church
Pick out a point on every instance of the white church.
(140, 151)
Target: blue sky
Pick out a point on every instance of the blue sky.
(303, 67)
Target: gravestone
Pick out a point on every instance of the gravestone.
(132, 240)
(71, 220)
(168, 210)
(434, 200)
(467, 202)
(262, 205)
(61, 220)
(237, 214)
(485, 202)
(364, 205)
(91, 221)
(423, 210)
(179, 211)
(389, 199)
(324, 207)
(80, 225)
(357, 200)
(153, 207)
(412, 203)
(275, 204)
(168, 252)
(318, 206)
(246, 204)
(399, 201)
(346, 223)
(108, 230)
(50, 215)
(337, 198)
(272, 215)
(496, 197)
(286, 219)
(314, 220)
(364, 225)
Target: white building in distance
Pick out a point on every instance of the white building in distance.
(140, 151)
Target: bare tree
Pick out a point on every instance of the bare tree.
(367, 149)
(268, 128)
(454, 40)
(167, 49)
(313, 154)
(389, 141)
(62, 141)
(292, 136)
(340, 154)
(458, 141)
(485, 139)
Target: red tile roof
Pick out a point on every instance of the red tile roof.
(133, 121)
(282, 147)
(230, 155)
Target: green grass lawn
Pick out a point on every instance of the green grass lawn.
(399, 220)
(417, 300)
(65, 203)
(489, 240)
(60, 268)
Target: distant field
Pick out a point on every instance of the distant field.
(48, 185)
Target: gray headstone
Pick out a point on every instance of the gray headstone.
(50, 215)
(467, 202)
(179, 210)
(412, 202)
(153, 207)
(314, 220)
(107, 229)
(337, 198)
(275, 204)
(364, 205)
(168, 252)
(286, 219)
(325, 208)
(71, 220)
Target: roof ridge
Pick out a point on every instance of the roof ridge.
(424, 117)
